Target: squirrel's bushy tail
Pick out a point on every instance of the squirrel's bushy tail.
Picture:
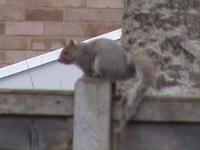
(131, 106)
(146, 72)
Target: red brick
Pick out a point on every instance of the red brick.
(2, 28)
(99, 15)
(66, 29)
(50, 43)
(2, 2)
(98, 29)
(53, 44)
(3, 65)
(79, 29)
(2, 57)
(47, 44)
(10, 57)
(13, 43)
(44, 15)
(105, 3)
(24, 28)
(12, 14)
(77, 39)
(26, 2)
(66, 3)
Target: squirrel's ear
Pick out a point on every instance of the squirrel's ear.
(72, 43)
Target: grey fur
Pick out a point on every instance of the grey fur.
(104, 58)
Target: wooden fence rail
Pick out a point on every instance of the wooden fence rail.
(49, 120)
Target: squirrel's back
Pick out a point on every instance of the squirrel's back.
(110, 61)
(101, 57)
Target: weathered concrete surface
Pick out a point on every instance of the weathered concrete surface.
(169, 31)
(92, 115)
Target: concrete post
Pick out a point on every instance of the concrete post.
(92, 113)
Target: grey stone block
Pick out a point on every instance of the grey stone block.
(92, 115)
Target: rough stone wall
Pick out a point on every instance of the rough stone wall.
(32, 27)
(169, 31)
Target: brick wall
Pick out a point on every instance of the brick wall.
(31, 27)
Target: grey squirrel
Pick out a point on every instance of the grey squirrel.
(107, 59)
(101, 58)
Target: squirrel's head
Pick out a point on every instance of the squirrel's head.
(68, 53)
